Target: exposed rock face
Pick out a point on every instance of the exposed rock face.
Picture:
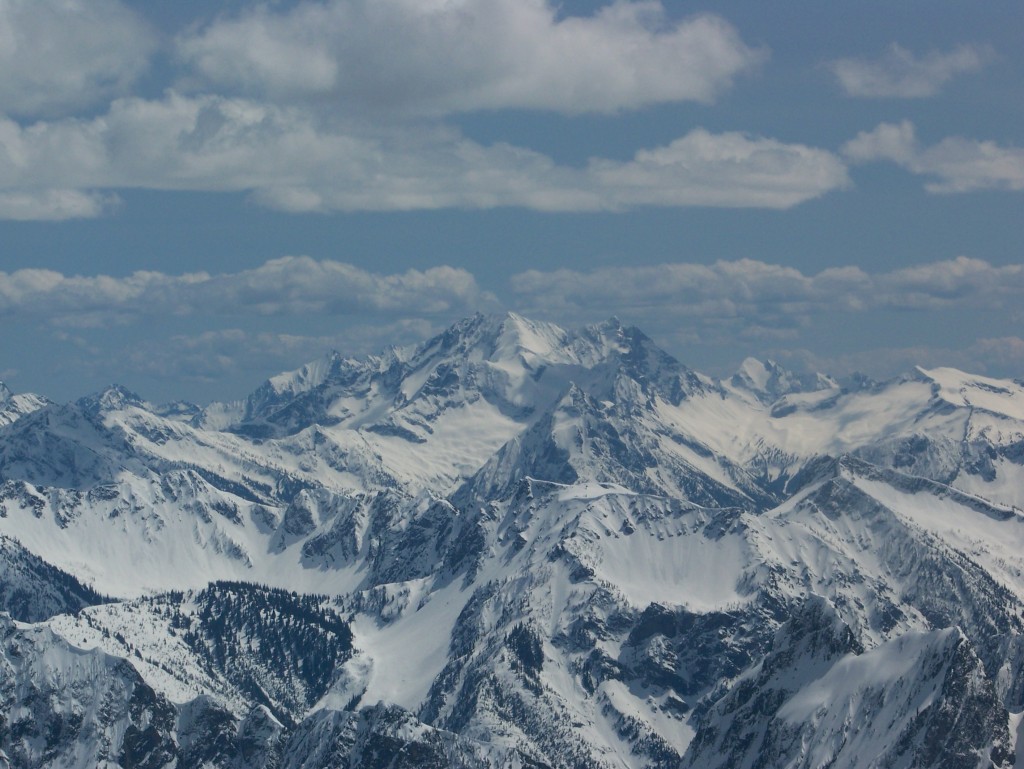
(66, 707)
(819, 699)
(32, 590)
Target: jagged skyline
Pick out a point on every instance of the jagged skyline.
(195, 196)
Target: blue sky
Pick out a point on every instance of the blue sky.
(196, 195)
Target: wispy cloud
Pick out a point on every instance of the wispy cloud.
(720, 312)
(997, 356)
(212, 356)
(289, 160)
(900, 74)
(957, 164)
(58, 56)
(753, 299)
(54, 204)
(743, 305)
(443, 57)
(217, 326)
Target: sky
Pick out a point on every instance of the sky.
(195, 195)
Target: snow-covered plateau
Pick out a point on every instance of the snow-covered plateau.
(517, 546)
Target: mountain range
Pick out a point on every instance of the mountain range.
(516, 545)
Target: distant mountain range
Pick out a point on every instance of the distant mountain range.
(517, 546)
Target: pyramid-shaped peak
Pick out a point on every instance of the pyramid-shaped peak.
(493, 325)
(613, 335)
(612, 325)
(768, 381)
(112, 398)
(502, 337)
(520, 336)
(755, 374)
(306, 377)
(5, 393)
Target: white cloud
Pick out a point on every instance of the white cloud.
(726, 310)
(960, 282)
(286, 286)
(729, 169)
(57, 56)
(54, 205)
(292, 162)
(899, 73)
(957, 164)
(963, 165)
(887, 141)
(442, 56)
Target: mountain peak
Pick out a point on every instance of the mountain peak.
(503, 338)
(998, 396)
(13, 407)
(768, 381)
(306, 377)
(112, 398)
(529, 340)
(754, 373)
(612, 325)
(180, 410)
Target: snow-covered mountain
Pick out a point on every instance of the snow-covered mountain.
(13, 407)
(517, 546)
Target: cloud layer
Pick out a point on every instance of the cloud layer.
(998, 356)
(461, 55)
(58, 56)
(900, 74)
(294, 285)
(27, 205)
(220, 326)
(729, 309)
(959, 165)
(748, 292)
(347, 105)
(757, 299)
(293, 162)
